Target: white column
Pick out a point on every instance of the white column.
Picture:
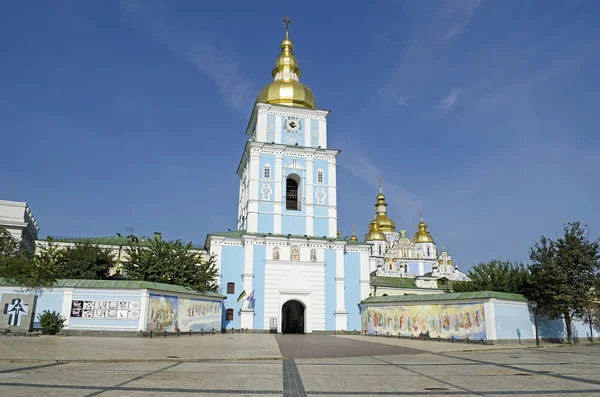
(278, 193)
(490, 319)
(278, 125)
(261, 126)
(310, 196)
(253, 177)
(216, 249)
(66, 305)
(364, 274)
(341, 315)
(323, 134)
(332, 197)
(246, 314)
(144, 301)
(306, 131)
(421, 268)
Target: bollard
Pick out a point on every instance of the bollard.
(467, 340)
(452, 338)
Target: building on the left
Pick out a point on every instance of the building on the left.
(17, 218)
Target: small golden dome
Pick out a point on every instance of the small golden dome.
(286, 89)
(374, 233)
(353, 237)
(422, 235)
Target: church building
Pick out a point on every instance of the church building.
(286, 268)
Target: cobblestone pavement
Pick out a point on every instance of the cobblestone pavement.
(559, 371)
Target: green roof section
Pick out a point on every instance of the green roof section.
(393, 282)
(126, 284)
(240, 233)
(122, 241)
(445, 297)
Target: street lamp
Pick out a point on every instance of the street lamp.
(537, 337)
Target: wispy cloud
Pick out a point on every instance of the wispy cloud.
(459, 13)
(448, 101)
(193, 43)
(361, 166)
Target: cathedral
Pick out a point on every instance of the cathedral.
(286, 269)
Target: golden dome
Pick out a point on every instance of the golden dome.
(385, 224)
(374, 233)
(286, 89)
(422, 235)
(353, 237)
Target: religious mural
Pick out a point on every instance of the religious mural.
(170, 313)
(446, 321)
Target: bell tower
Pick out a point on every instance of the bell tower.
(287, 174)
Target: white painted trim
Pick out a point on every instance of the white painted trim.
(144, 302)
(67, 294)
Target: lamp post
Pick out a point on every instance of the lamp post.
(537, 337)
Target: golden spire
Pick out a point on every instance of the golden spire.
(353, 237)
(422, 235)
(385, 223)
(286, 89)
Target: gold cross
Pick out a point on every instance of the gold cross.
(353, 229)
(380, 180)
(287, 22)
(421, 214)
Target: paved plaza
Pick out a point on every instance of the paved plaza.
(290, 365)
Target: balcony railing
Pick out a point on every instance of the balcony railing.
(292, 205)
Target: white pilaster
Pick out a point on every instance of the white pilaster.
(261, 126)
(332, 197)
(278, 127)
(341, 315)
(278, 193)
(246, 314)
(490, 319)
(309, 196)
(66, 305)
(253, 176)
(364, 275)
(216, 250)
(323, 134)
(144, 301)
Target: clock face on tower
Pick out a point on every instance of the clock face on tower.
(293, 125)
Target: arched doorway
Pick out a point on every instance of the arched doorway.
(292, 317)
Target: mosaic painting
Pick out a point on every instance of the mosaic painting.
(171, 313)
(446, 321)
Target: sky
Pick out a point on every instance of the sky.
(132, 113)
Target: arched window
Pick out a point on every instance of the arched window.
(405, 268)
(229, 315)
(313, 255)
(428, 252)
(295, 253)
(380, 250)
(292, 192)
(275, 254)
(231, 288)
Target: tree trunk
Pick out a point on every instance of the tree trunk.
(568, 326)
(591, 330)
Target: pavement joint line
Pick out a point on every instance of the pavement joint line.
(464, 389)
(133, 360)
(449, 392)
(118, 385)
(292, 381)
(4, 371)
(533, 372)
(103, 389)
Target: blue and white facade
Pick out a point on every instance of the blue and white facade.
(286, 249)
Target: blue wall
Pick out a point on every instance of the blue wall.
(314, 132)
(352, 288)
(320, 211)
(48, 300)
(265, 222)
(259, 286)
(271, 128)
(513, 321)
(293, 224)
(320, 227)
(232, 266)
(330, 293)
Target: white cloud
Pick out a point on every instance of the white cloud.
(195, 44)
(459, 13)
(448, 101)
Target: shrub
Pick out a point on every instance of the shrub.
(52, 322)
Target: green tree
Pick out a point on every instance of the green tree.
(171, 262)
(9, 246)
(495, 275)
(86, 261)
(32, 271)
(563, 273)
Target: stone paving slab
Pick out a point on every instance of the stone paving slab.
(183, 348)
(305, 346)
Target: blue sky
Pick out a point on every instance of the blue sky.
(132, 113)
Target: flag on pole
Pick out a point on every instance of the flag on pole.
(251, 296)
(242, 295)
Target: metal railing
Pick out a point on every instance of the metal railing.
(212, 331)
